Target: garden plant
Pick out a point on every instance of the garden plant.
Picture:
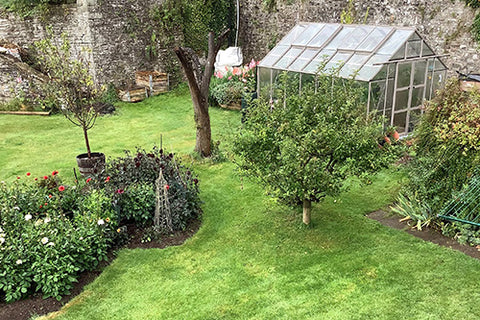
(304, 147)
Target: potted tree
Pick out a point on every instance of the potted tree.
(71, 88)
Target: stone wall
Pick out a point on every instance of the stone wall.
(111, 31)
(445, 24)
(116, 31)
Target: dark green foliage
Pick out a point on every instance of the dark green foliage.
(131, 179)
(476, 28)
(305, 146)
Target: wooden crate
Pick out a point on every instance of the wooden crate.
(134, 95)
(156, 82)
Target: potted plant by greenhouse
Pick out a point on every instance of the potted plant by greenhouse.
(71, 88)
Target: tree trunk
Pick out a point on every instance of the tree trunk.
(307, 211)
(85, 135)
(203, 145)
(199, 89)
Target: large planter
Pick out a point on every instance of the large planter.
(91, 166)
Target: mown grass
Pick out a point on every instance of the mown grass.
(252, 259)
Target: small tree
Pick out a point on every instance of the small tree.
(304, 147)
(70, 86)
(193, 28)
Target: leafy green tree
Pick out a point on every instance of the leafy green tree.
(303, 147)
(195, 29)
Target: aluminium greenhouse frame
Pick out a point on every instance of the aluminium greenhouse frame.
(395, 64)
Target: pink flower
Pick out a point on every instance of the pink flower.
(61, 188)
(236, 71)
(252, 64)
(230, 78)
(120, 191)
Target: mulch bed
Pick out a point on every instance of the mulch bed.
(36, 305)
(427, 234)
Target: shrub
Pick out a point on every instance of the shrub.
(131, 179)
(446, 148)
(44, 241)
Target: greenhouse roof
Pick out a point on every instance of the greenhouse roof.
(357, 50)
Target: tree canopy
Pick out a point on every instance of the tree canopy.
(303, 147)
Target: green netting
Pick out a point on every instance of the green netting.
(465, 206)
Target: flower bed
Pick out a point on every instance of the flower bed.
(50, 232)
(228, 87)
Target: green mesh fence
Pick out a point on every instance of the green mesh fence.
(465, 206)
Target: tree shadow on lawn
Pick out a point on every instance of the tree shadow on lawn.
(36, 305)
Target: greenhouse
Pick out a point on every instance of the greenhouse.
(395, 64)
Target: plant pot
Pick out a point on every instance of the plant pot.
(91, 166)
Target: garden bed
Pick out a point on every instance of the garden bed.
(36, 305)
(427, 234)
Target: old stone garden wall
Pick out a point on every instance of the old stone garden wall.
(119, 41)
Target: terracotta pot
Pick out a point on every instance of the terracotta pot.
(91, 166)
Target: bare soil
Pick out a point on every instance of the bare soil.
(427, 234)
(36, 305)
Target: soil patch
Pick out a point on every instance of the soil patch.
(427, 234)
(36, 305)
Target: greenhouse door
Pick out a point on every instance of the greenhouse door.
(409, 94)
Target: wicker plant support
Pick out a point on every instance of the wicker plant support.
(163, 216)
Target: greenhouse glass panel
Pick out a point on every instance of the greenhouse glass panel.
(336, 62)
(401, 99)
(264, 81)
(414, 48)
(389, 99)
(292, 35)
(307, 34)
(303, 59)
(273, 56)
(339, 38)
(403, 74)
(417, 97)
(426, 51)
(413, 119)
(395, 41)
(374, 39)
(288, 58)
(400, 54)
(377, 96)
(372, 67)
(420, 68)
(353, 39)
(324, 34)
(400, 121)
(353, 65)
(321, 58)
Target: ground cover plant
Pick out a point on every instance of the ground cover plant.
(250, 259)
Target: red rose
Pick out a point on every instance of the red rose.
(36, 179)
(18, 177)
(167, 187)
(61, 188)
(108, 179)
(45, 177)
(89, 179)
(28, 174)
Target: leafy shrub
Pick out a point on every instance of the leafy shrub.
(446, 148)
(131, 179)
(44, 244)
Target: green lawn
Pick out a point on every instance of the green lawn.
(251, 259)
